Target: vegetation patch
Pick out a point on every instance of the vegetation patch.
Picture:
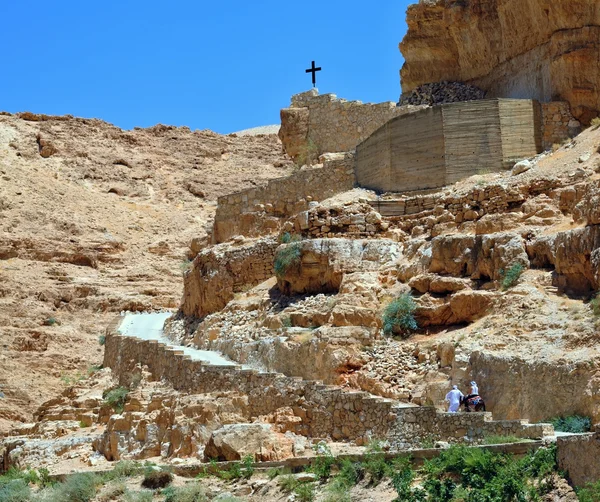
(287, 257)
(398, 316)
(595, 304)
(286, 238)
(511, 276)
(116, 398)
(192, 492)
(572, 423)
(157, 479)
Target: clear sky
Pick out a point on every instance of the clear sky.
(224, 65)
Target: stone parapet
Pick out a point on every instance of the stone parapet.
(415, 425)
(579, 456)
(259, 211)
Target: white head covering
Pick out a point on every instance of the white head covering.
(454, 387)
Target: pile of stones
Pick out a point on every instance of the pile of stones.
(438, 93)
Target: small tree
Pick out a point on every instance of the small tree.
(398, 316)
(511, 276)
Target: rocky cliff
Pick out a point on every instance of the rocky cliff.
(541, 49)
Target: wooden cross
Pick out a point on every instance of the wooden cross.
(314, 71)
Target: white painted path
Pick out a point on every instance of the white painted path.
(150, 327)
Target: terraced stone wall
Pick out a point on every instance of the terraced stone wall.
(259, 211)
(319, 410)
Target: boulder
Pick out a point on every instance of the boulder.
(235, 441)
(521, 167)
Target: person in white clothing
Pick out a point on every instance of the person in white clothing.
(474, 389)
(454, 397)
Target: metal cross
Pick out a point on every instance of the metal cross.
(314, 71)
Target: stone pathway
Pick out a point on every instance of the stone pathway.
(150, 327)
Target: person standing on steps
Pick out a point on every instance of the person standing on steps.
(454, 397)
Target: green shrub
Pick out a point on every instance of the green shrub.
(273, 472)
(573, 423)
(287, 257)
(589, 493)
(398, 316)
(511, 276)
(288, 483)
(116, 398)
(76, 488)
(304, 492)
(143, 496)
(51, 321)
(247, 466)
(595, 304)
(192, 492)
(595, 123)
(286, 238)
(15, 490)
(157, 479)
(102, 339)
(350, 473)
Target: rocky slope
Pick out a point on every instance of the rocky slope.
(95, 220)
(541, 49)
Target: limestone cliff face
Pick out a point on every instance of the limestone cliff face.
(541, 49)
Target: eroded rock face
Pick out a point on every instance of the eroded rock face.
(221, 271)
(481, 256)
(322, 263)
(575, 256)
(540, 49)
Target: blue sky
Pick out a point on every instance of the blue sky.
(224, 65)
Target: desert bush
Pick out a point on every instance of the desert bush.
(286, 258)
(116, 398)
(501, 439)
(288, 483)
(286, 238)
(102, 339)
(572, 423)
(511, 276)
(157, 479)
(595, 123)
(15, 490)
(76, 488)
(143, 496)
(192, 492)
(398, 316)
(304, 492)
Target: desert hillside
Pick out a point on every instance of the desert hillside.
(95, 220)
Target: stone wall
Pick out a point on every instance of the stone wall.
(259, 211)
(579, 457)
(220, 271)
(415, 425)
(319, 410)
(558, 124)
(331, 123)
(441, 145)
